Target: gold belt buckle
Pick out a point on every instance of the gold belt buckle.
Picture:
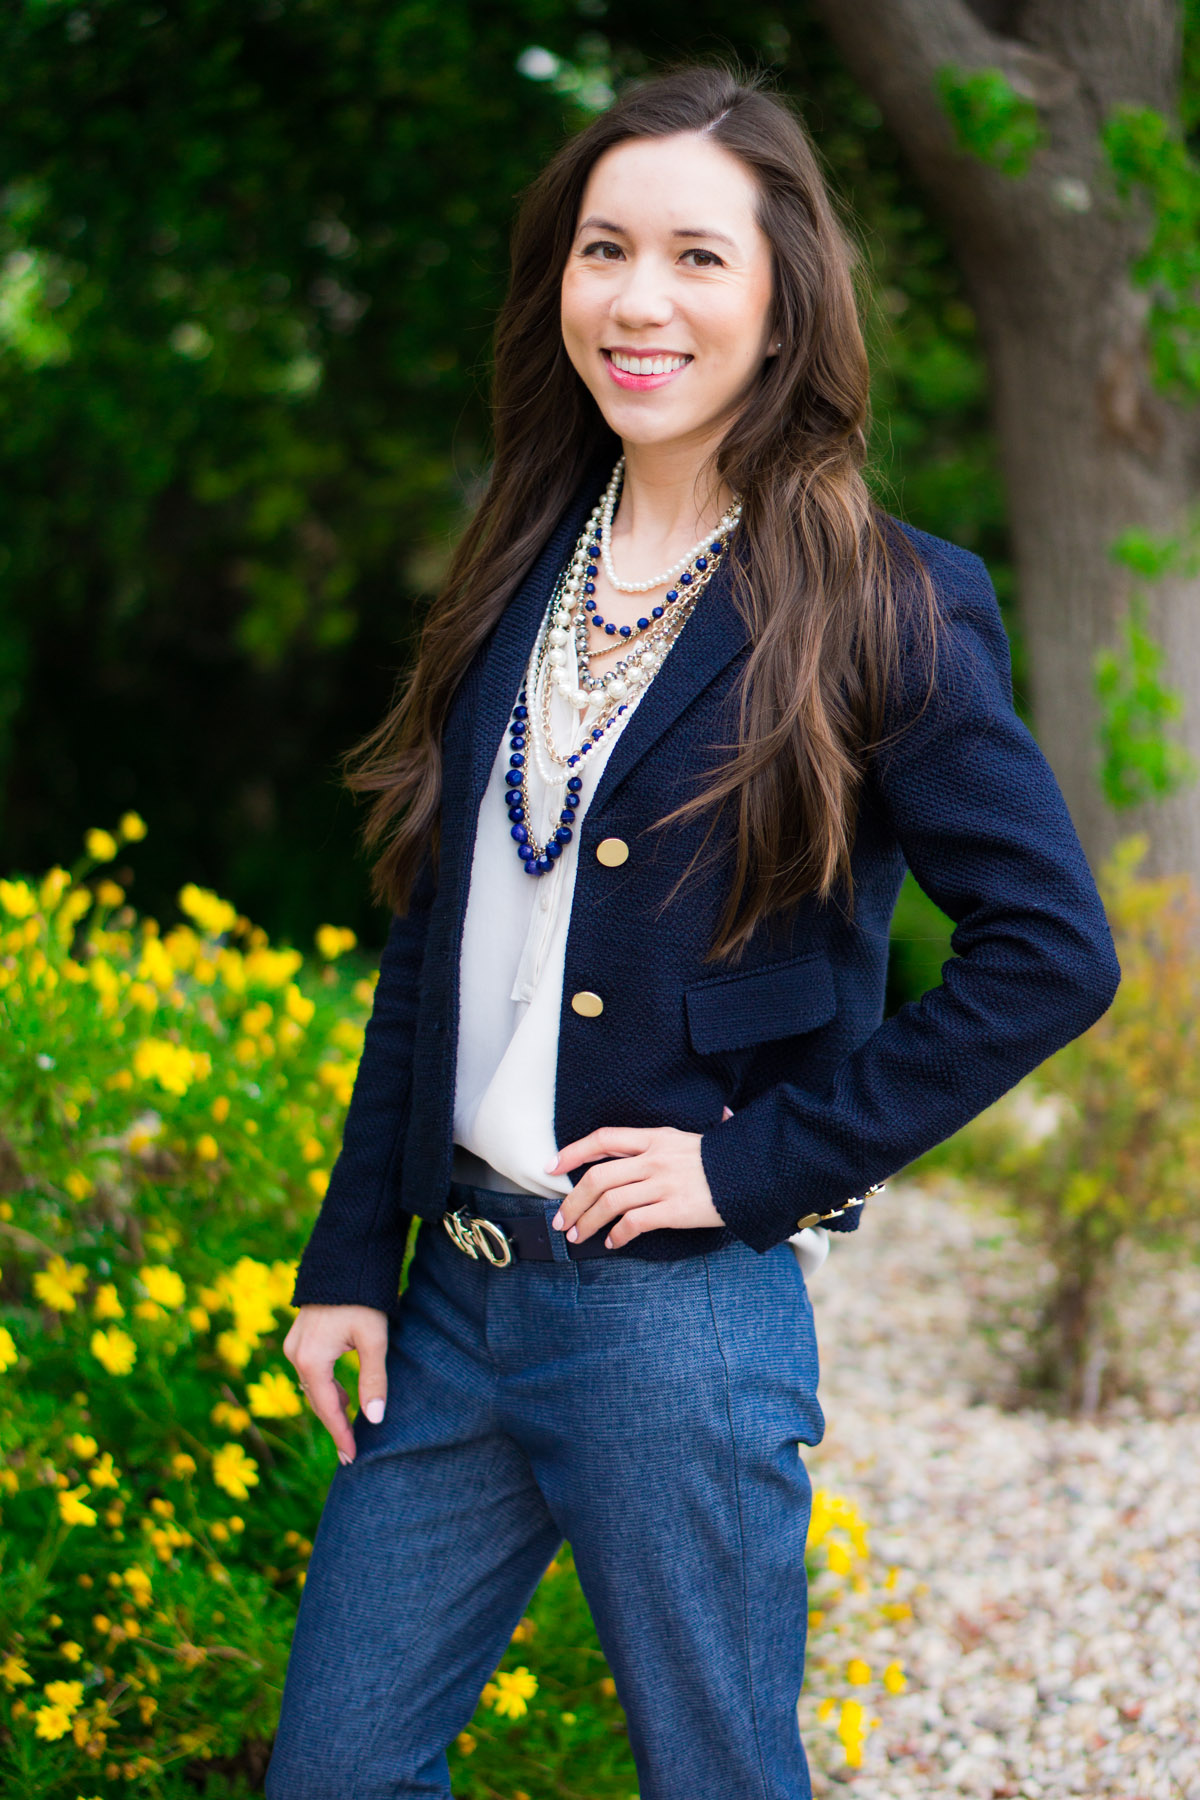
(479, 1237)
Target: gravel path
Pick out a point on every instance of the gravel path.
(1055, 1645)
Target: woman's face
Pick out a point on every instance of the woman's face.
(668, 264)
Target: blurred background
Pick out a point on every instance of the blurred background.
(250, 257)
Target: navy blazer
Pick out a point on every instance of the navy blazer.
(827, 1099)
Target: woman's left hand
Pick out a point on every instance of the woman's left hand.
(654, 1181)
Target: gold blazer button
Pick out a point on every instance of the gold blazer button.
(612, 852)
(587, 1003)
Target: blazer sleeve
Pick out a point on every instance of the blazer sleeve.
(984, 827)
(355, 1253)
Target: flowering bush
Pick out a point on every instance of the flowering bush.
(1103, 1139)
(170, 1104)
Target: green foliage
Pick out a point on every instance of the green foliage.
(1148, 152)
(1103, 1139)
(1139, 760)
(991, 120)
(919, 944)
(170, 1104)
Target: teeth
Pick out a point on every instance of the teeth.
(647, 365)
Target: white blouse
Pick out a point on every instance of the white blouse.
(511, 976)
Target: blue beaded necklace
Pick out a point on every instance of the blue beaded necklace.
(572, 605)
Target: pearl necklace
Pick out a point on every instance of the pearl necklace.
(728, 521)
(607, 694)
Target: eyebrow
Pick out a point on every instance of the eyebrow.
(687, 231)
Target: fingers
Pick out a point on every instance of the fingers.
(608, 1205)
(609, 1140)
(372, 1345)
(328, 1399)
(319, 1335)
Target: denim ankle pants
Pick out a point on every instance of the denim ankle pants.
(651, 1414)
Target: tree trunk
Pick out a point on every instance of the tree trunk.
(1088, 447)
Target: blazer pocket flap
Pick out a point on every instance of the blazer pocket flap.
(751, 1006)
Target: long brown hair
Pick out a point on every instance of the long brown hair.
(815, 579)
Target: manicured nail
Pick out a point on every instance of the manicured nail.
(608, 1243)
(343, 1458)
(557, 1221)
(573, 1234)
(374, 1411)
(551, 1166)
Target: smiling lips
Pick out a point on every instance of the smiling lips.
(643, 372)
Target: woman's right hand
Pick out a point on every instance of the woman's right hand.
(318, 1336)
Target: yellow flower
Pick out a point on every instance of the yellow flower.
(234, 1471)
(13, 1672)
(114, 1349)
(318, 1180)
(109, 893)
(132, 827)
(852, 1730)
(173, 1066)
(235, 1348)
(78, 1185)
(52, 1721)
(71, 1506)
(333, 940)
(297, 1005)
(183, 1465)
(162, 1284)
(515, 1688)
(894, 1678)
(83, 1446)
(207, 1147)
(71, 1650)
(54, 885)
(8, 1349)
(465, 1742)
(101, 846)
(858, 1672)
(17, 899)
(274, 1397)
(102, 1472)
(312, 1149)
(106, 1305)
(213, 915)
(229, 1417)
(65, 1693)
(839, 1559)
(826, 1709)
(59, 1282)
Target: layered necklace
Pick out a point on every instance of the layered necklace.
(572, 612)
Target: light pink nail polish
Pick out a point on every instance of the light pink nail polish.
(557, 1221)
(573, 1234)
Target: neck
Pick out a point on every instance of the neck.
(671, 495)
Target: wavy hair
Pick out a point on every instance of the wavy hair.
(834, 597)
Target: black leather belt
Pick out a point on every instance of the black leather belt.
(505, 1241)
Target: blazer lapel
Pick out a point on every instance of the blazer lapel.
(711, 637)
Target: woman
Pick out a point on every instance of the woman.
(687, 706)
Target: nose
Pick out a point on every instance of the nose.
(643, 296)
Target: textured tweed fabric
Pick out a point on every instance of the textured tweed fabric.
(828, 1098)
